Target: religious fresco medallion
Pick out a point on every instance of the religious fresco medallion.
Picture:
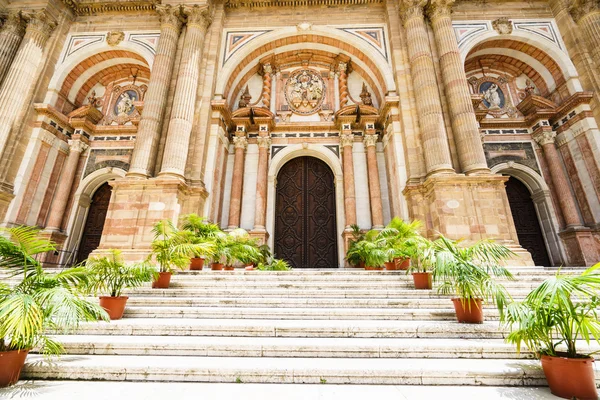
(305, 91)
(493, 96)
(124, 104)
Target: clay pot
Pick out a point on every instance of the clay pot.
(570, 378)
(361, 265)
(11, 363)
(229, 268)
(468, 311)
(114, 306)
(249, 267)
(163, 281)
(216, 266)
(402, 263)
(196, 264)
(422, 280)
(373, 268)
(390, 266)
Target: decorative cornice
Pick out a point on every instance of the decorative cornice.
(85, 8)
(295, 3)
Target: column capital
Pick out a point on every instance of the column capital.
(267, 68)
(370, 140)
(198, 16)
(170, 17)
(545, 137)
(39, 22)
(581, 8)
(439, 8)
(347, 139)
(240, 142)
(410, 9)
(78, 146)
(14, 23)
(264, 142)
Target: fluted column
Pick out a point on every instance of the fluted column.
(374, 185)
(464, 124)
(235, 203)
(429, 106)
(266, 92)
(587, 15)
(144, 151)
(347, 142)
(11, 35)
(264, 144)
(343, 83)
(559, 178)
(180, 125)
(20, 78)
(65, 184)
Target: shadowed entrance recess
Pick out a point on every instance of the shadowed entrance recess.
(94, 224)
(305, 221)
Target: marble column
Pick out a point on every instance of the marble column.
(347, 142)
(587, 15)
(428, 103)
(11, 35)
(464, 123)
(20, 78)
(264, 145)
(566, 201)
(343, 83)
(267, 71)
(182, 116)
(144, 152)
(237, 183)
(374, 185)
(65, 184)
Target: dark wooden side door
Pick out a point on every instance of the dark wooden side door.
(305, 221)
(92, 231)
(526, 221)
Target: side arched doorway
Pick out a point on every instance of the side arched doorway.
(92, 230)
(305, 216)
(526, 221)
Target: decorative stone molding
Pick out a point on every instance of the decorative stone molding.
(197, 16)
(263, 142)
(114, 38)
(294, 3)
(370, 140)
(14, 23)
(410, 9)
(240, 142)
(347, 139)
(47, 137)
(545, 137)
(503, 26)
(581, 8)
(439, 8)
(78, 146)
(91, 7)
(170, 16)
(39, 25)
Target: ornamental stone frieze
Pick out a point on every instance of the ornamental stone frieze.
(503, 26)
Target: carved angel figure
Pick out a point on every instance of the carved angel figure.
(125, 104)
(492, 96)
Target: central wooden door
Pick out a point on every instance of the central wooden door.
(305, 221)
(94, 224)
(526, 221)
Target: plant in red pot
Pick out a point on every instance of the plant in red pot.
(422, 252)
(551, 320)
(371, 250)
(37, 302)
(172, 250)
(469, 273)
(110, 275)
(203, 230)
(394, 239)
(353, 257)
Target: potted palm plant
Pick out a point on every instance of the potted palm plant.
(394, 236)
(468, 272)
(422, 253)
(110, 275)
(172, 249)
(370, 250)
(39, 301)
(549, 322)
(240, 247)
(274, 265)
(353, 257)
(203, 230)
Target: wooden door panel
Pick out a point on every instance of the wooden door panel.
(94, 224)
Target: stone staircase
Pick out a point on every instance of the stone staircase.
(300, 327)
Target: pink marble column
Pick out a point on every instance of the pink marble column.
(374, 185)
(343, 84)
(347, 142)
(65, 184)
(266, 92)
(264, 144)
(559, 178)
(237, 183)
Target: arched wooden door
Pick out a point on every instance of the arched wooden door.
(305, 220)
(92, 231)
(526, 221)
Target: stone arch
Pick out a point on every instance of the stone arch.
(324, 154)
(540, 195)
(81, 202)
(319, 38)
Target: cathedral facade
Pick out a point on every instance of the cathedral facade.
(298, 119)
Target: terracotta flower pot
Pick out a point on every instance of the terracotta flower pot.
(422, 280)
(11, 363)
(114, 306)
(163, 281)
(229, 268)
(361, 265)
(570, 378)
(373, 268)
(468, 311)
(402, 263)
(196, 264)
(390, 266)
(216, 266)
(249, 267)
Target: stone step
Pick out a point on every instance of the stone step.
(295, 347)
(484, 372)
(438, 314)
(93, 390)
(293, 328)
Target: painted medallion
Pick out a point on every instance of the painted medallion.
(305, 91)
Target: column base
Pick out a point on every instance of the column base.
(467, 207)
(582, 248)
(260, 234)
